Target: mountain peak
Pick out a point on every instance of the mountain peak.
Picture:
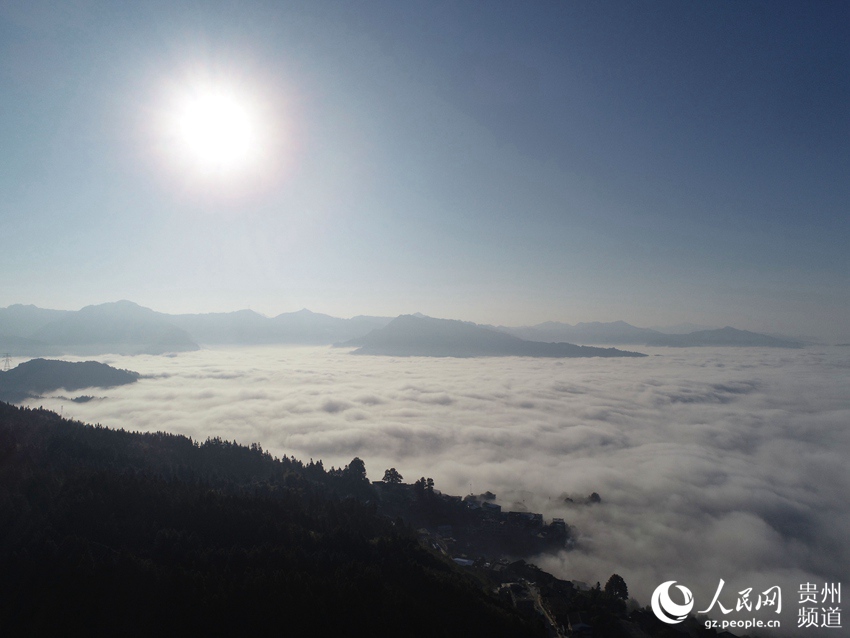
(123, 307)
(409, 335)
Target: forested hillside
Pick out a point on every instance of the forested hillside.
(107, 532)
(111, 533)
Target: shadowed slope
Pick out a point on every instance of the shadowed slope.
(37, 376)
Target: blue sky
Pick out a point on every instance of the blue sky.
(502, 162)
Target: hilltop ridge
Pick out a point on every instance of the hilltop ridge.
(37, 376)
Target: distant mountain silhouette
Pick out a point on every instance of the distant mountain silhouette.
(17, 325)
(37, 376)
(22, 320)
(23, 347)
(617, 332)
(122, 327)
(310, 327)
(242, 326)
(249, 327)
(127, 328)
(409, 335)
(622, 333)
(681, 328)
(722, 337)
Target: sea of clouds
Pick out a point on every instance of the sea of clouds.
(724, 463)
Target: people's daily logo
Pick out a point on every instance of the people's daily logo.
(665, 609)
(820, 606)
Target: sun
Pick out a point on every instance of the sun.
(215, 130)
(219, 138)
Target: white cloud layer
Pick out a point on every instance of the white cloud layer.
(711, 463)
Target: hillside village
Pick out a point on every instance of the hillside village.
(473, 527)
(476, 534)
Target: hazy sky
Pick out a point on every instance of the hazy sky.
(501, 162)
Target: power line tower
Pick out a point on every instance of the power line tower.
(7, 362)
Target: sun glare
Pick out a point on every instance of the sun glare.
(216, 131)
(220, 140)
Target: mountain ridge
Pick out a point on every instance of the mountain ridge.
(125, 327)
(409, 335)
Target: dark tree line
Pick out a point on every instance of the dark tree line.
(106, 532)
